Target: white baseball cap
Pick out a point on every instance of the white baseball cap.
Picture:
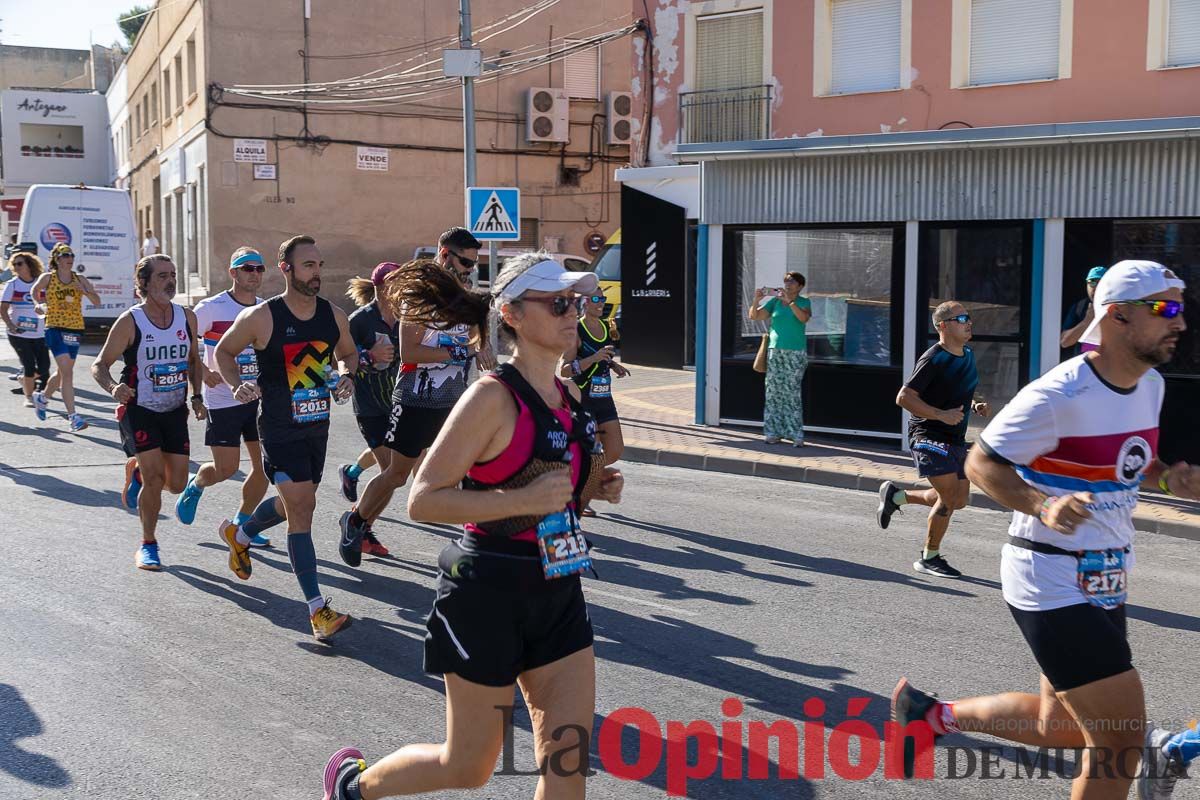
(1125, 281)
(548, 276)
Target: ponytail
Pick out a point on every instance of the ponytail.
(424, 292)
(361, 291)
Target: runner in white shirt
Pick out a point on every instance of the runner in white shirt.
(230, 422)
(149, 244)
(1068, 455)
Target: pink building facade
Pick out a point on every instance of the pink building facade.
(903, 152)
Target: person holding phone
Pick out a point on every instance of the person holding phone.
(787, 357)
(591, 366)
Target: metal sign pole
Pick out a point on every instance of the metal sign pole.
(464, 37)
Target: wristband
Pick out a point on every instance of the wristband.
(1162, 483)
(1049, 501)
(364, 356)
(196, 397)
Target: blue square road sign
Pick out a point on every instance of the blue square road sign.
(494, 213)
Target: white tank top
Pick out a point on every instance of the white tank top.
(156, 364)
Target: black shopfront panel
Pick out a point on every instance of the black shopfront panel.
(654, 281)
(854, 368)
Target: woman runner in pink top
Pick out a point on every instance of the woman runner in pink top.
(516, 460)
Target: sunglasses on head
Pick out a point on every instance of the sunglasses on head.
(1167, 309)
(559, 304)
(252, 268)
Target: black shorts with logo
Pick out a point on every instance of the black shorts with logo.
(143, 429)
(935, 458)
(1078, 644)
(374, 429)
(602, 408)
(411, 429)
(229, 427)
(296, 458)
(489, 633)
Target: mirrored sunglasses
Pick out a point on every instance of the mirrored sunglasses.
(961, 319)
(1167, 309)
(252, 268)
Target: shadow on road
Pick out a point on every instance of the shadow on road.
(779, 557)
(18, 721)
(45, 485)
(1164, 619)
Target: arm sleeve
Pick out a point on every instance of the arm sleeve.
(1022, 430)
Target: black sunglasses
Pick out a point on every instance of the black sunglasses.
(469, 263)
(559, 304)
(252, 268)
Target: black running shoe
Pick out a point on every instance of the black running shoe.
(887, 505)
(350, 546)
(910, 705)
(349, 485)
(936, 566)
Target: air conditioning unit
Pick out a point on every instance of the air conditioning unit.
(547, 115)
(619, 107)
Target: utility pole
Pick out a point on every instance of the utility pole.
(464, 41)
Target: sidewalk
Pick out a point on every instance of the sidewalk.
(657, 419)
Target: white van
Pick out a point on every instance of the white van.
(98, 225)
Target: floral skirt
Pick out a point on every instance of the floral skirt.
(783, 416)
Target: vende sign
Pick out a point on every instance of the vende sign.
(373, 159)
(250, 151)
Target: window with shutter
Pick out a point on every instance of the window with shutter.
(1014, 40)
(1183, 33)
(729, 50)
(581, 73)
(866, 38)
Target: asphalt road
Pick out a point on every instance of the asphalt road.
(117, 683)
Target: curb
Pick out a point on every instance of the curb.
(844, 480)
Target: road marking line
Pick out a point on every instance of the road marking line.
(640, 602)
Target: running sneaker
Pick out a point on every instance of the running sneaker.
(18, 390)
(133, 485)
(910, 705)
(1159, 772)
(371, 546)
(771, 439)
(189, 498)
(350, 546)
(326, 622)
(147, 557)
(349, 485)
(40, 405)
(28, 403)
(78, 423)
(259, 540)
(239, 554)
(936, 566)
(887, 504)
(343, 765)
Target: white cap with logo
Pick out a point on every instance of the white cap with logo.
(548, 276)
(1125, 281)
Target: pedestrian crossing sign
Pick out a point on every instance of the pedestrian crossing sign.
(494, 213)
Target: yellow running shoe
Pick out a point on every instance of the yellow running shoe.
(326, 622)
(239, 554)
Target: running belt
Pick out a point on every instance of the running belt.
(1049, 549)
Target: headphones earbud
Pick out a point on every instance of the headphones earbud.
(1119, 318)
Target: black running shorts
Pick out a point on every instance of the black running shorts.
(602, 408)
(143, 429)
(489, 634)
(299, 459)
(229, 427)
(412, 429)
(1076, 645)
(374, 429)
(936, 458)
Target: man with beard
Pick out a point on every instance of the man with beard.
(230, 422)
(1068, 455)
(156, 339)
(297, 337)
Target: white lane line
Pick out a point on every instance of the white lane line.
(651, 603)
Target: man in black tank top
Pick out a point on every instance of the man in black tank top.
(156, 339)
(298, 337)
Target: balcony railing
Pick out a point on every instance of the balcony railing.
(725, 115)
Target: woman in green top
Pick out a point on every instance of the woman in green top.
(787, 358)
